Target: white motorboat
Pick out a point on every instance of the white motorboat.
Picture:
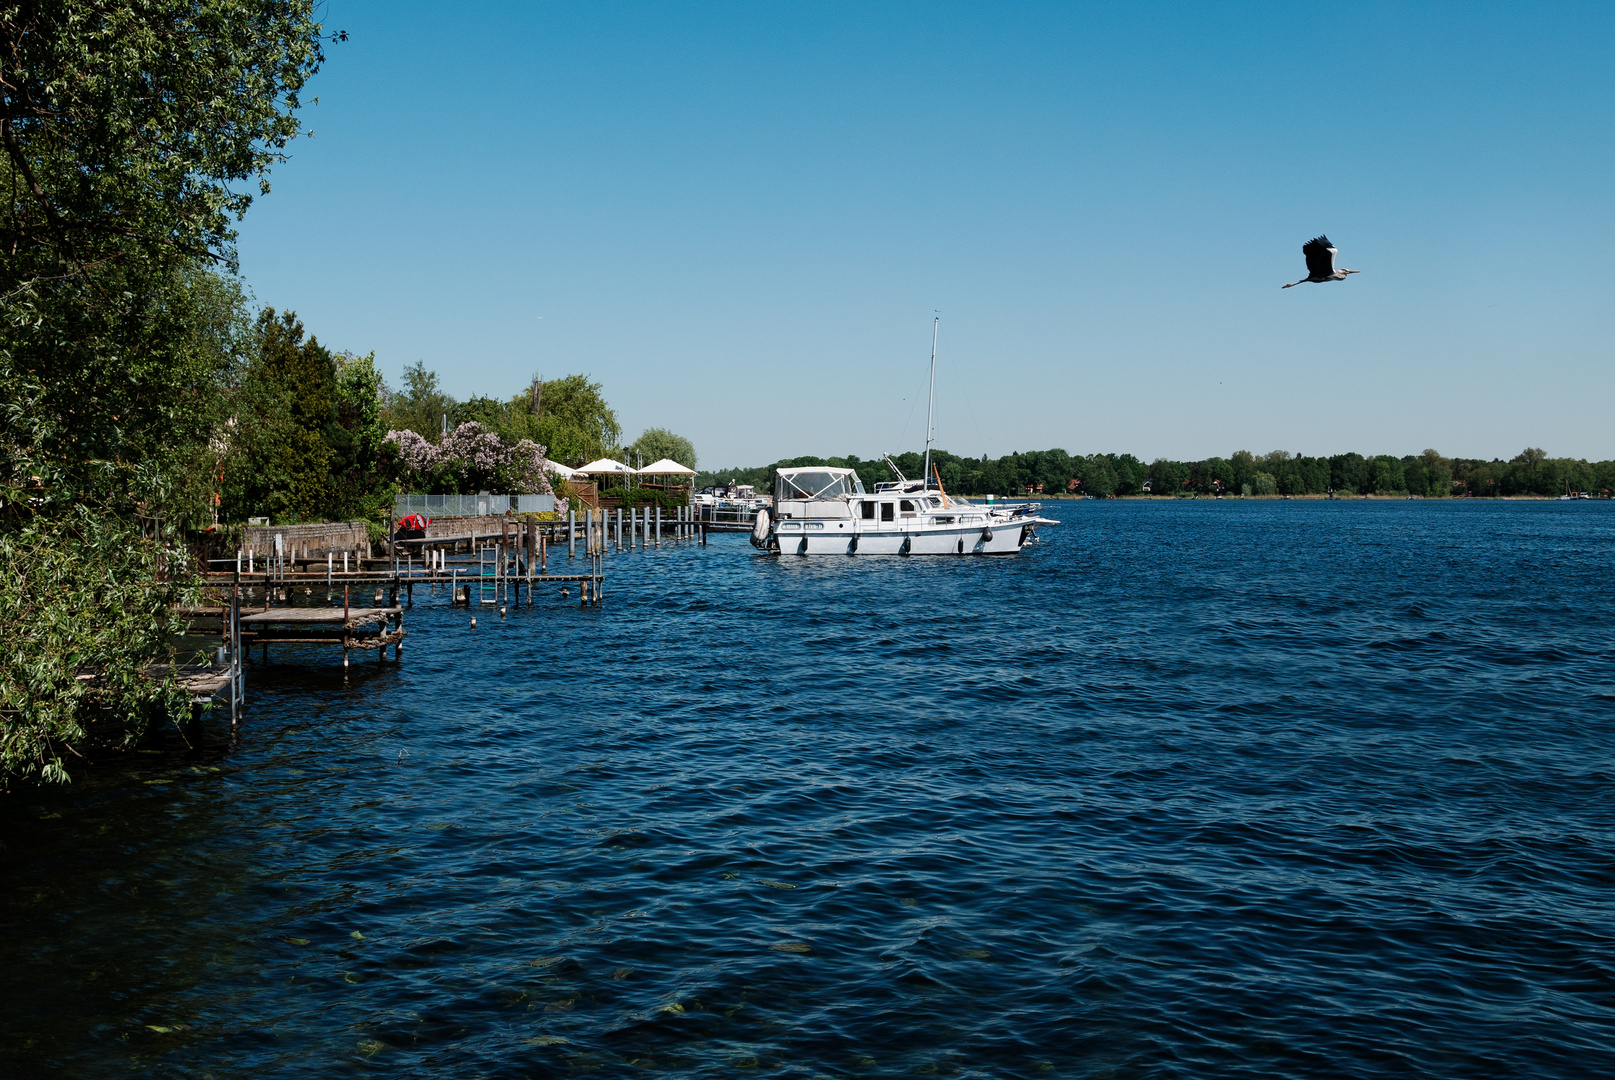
(819, 510)
(826, 511)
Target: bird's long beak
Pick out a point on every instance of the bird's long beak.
(1343, 270)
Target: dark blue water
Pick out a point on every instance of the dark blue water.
(1299, 789)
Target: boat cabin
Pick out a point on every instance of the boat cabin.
(824, 492)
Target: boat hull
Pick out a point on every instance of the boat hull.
(1006, 538)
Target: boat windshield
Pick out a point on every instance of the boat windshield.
(816, 484)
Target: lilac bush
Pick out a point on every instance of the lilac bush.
(469, 459)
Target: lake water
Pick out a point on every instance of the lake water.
(1299, 789)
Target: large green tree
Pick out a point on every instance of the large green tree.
(656, 443)
(132, 136)
(419, 405)
(279, 461)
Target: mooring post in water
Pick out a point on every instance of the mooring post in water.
(237, 680)
(571, 532)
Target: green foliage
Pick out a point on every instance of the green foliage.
(362, 460)
(127, 132)
(83, 613)
(1386, 475)
(658, 443)
(1277, 473)
(419, 406)
(568, 416)
(278, 461)
(305, 440)
(644, 496)
(129, 126)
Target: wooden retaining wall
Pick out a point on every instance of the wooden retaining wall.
(478, 525)
(311, 541)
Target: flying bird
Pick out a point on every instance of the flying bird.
(1320, 255)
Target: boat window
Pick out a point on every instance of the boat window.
(886, 511)
(813, 484)
(908, 507)
(868, 510)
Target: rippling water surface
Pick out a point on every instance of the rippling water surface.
(1202, 788)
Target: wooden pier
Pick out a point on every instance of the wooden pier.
(273, 597)
(352, 628)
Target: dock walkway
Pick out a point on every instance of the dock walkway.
(352, 628)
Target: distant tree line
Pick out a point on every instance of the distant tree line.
(1427, 475)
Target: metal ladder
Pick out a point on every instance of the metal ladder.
(488, 575)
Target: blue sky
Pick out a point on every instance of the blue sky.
(739, 218)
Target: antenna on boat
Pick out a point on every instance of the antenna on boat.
(930, 399)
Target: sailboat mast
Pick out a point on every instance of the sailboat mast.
(930, 400)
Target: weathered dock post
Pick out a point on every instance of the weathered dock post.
(571, 532)
(345, 642)
(658, 524)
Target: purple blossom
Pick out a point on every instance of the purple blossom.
(472, 458)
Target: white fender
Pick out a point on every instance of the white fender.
(759, 531)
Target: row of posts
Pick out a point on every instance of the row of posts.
(645, 527)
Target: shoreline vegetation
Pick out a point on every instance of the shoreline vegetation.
(147, 405)
(1279, 474)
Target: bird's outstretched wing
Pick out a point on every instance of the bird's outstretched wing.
(1320, 257)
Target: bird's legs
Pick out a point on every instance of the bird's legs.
(1293, 284)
